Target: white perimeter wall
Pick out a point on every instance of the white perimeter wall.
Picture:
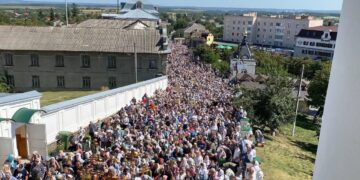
(73, 114)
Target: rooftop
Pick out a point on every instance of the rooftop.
(324, 28)
(75, 39)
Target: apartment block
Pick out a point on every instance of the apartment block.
(275, 31)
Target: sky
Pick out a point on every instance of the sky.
(278, 4)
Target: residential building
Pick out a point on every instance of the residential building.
(135, 10)
(54, 58)
(195, 30)
(276, 31)
(316, 42)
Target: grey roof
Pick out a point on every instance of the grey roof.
(19, 97)
(89, 98)
(107, 23)
(137, 14)
(79, 39)
(195, 27)
(244, 50)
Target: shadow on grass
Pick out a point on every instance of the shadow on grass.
(310, 147)
(303, 122)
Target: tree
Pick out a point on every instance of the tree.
(74, 10)
(318, 88)
(52, 14)
(181, 23)
(206, 54)
(269, 107)
(271, 65)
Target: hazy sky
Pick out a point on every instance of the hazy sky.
(279, 4)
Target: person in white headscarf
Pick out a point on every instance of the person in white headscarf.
(258, 171)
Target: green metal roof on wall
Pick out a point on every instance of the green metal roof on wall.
(24, 115)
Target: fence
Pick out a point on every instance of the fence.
(73, 114)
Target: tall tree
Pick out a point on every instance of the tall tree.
(74, 10)
(318, 88)
(52, 14)
(269, 107)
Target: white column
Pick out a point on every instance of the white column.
(338, 155)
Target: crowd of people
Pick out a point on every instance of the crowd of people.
(188, 131)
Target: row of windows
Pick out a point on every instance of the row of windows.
(59, 61)
(318, 44)
(244, 22)
(317, 53)
(86, 81)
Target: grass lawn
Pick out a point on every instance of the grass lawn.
(52, 97)
(285, 157)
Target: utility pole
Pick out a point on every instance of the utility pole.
(298, 99)
(66, 13)
(118, 7)
(135, 55)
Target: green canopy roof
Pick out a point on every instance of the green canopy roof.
(246, 128)
(245, 119)
(24, 115)
(228, 47)
(220, 47)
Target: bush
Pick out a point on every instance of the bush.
(63, 140)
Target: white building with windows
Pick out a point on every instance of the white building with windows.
(276, 31)
(316, 42)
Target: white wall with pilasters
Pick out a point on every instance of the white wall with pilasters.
(338, 155)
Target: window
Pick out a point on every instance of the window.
(112, 82)
(233, 34)
(233, 28)
(271, 24)
(258, 29)
(237, 34)
(85, 60)
(249, 22)
(86, 82)
(8, 59)
(243, 22)
(264, 30)
(111, 62)
(312, 43)
(35, 81)
(270, 37)
(258, 35)
(249, 29)
(325, 45)
(288, 32)
(34, 59)
(59, 61)
(238, 28)
(239, 22)
(306, 43)
(258, 23)
(304, 51)
(270, 30)
(278, 37)
(234, 22)
(60, 81)
(10, 80)
(278, 24)
(153, 65)
(264, 23)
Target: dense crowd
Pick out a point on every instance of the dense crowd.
(188, 131)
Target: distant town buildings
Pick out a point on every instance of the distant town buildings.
(276, 31)
(316, 42)
(135, 10)
(197, 34)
